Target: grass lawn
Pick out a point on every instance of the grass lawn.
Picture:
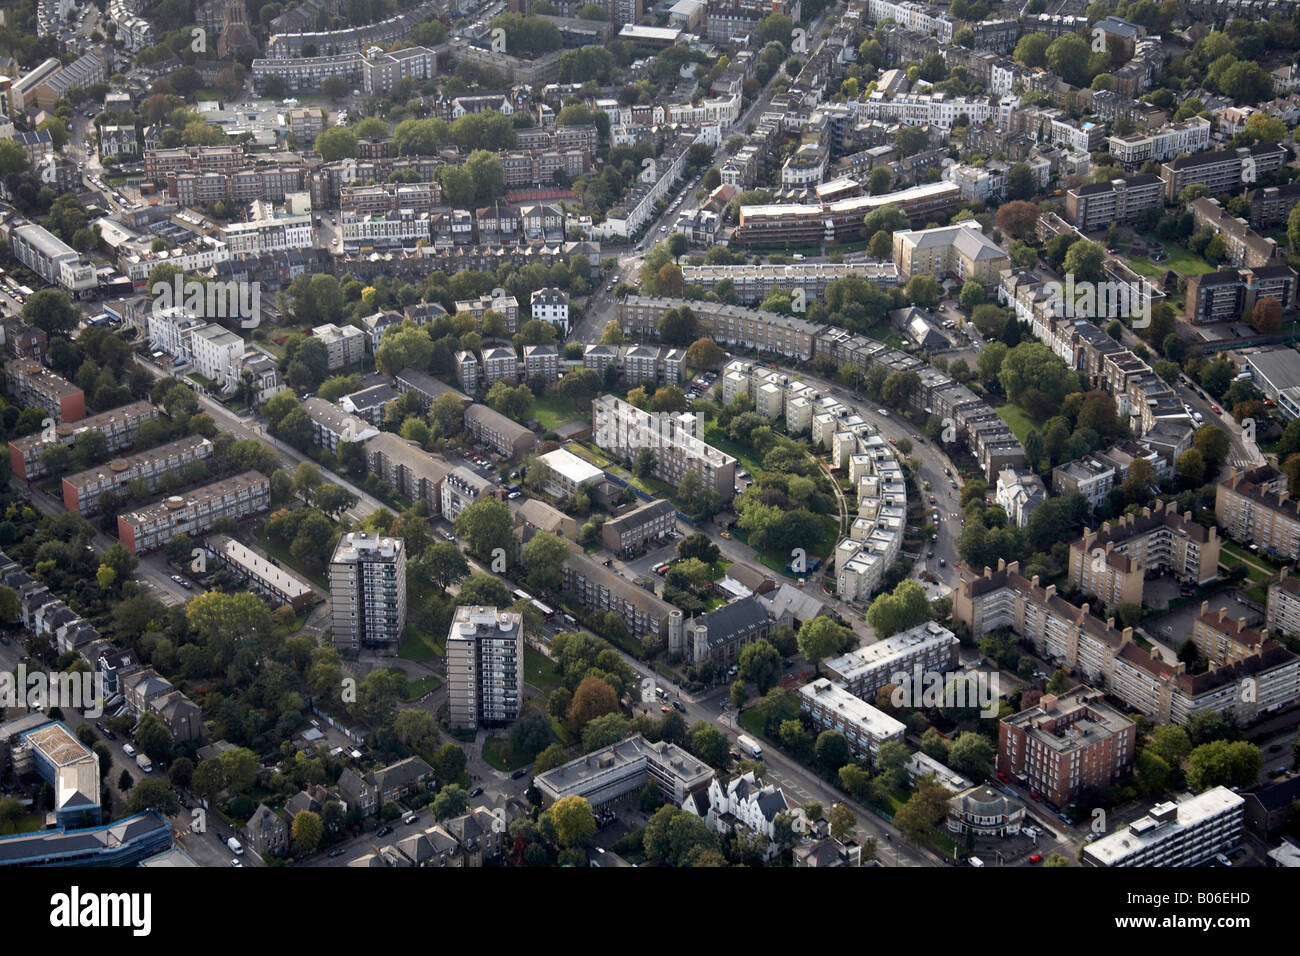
(1179, 258)
(500, 753)
(716, 437)
(553, 412)
(419, 645)
(416, 689)
(29, 823)
(752, 721)
(539, 670)
(1019, 422)
(591, 454)
(286, 558)
(1258, 594)
(1250, 557)
(1253, 571)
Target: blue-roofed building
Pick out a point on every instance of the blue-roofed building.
(69, 766)
(125, 842)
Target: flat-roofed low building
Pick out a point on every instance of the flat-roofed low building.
(831, 707)
(124, 842)
(622, 770)
(69, 767)
(639, 527)
(82, 491)
(194, 513)
(344, 345)
(261, 574)
(1175, 834)
(568, 474)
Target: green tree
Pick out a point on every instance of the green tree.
(760, 663)
(307, 831)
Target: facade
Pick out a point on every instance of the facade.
(1175, 834)
(485, 667)
(985, 813)
(831, 707)
(460, 489)
(1254, 506)
(723, 633)
(1096, 205)
(1066, 743)
(864, 672)
(195, 512)
(772, 332)
(1224, 171)
(1283, 616)
(82, 491)
(567, 474)
(626, 430)
(260, 573)
(367, 577)
(31, 383)
(1020, 493)
(345, 346)
(408, 469)
(52, 259)
(600, 590)
(493, 429)
(1229, 294)
(118, 426)
(552, 305)
(962, 251)
(69, 767)
(125, 842)
(1224, 640)
(640, 527)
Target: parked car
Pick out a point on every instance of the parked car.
(519, 774)
(336, 852)
(680, 706)
(383, 831)
(1035, 858)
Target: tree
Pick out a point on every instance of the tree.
(544, 556)
(531, 733)
(705, 354)
(50, 311)
(592, 698)
(307, 831)
(154, 794)
(1170, 743)
(1223, 763)
(1017, 218)
(444, 564)
(1213, 444)
(452, 801)
(613, 334)
(604, 731)
(698, 545)
(903, 608)
(831, 750)
(1266, 318)
(927, 805)
(1067, 57)
(573, 821)
(1084, 259)
(337, 142)
(971, 753)
(819, 638)
(842, 821)
(709, 744)
(485, 526)
(760, 664)
(1031, 49)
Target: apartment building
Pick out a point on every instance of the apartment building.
(1175, 834)
(799, 224)
(640, 527)
(638, 364)
(1090, 477)
(460, 489)
(468, 372)
(31, 383)
(1246, 248)
(82, 491)
(493, 429)
(195, 512)
(568, 474)
(369, 403)
(754, 283)
(1096, 205)
(260, 574)
(218, 355)
(771, 332)
(600, 589)
(367, 576)
(621, 771)
(864, 672)
(506, 305)
(425, 386)
(408, 469)
(551, 305)
(485, 667)
(1283, 615)
(119, 427)
(1272, 205)
(24, 341)
(345, 346)
(1066, 743)
(1113, 563)
(500, 362)
(1229, 295)
(962, 251)
(1168, 142)
(541, 363)
(332, 426)
(830, 707)
(626, 430)
(1020, 493)
(1223, 171)
(1255, 507)
(1224, 640)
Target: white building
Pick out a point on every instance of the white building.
(460, 489)
(218, 354)
(831, 707)
(740, 801)
(1020, 493)
(1175, 834)
(552, 305)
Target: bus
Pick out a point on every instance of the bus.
(546, 611)
(522, 595)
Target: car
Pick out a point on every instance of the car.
(932, 501)
(1035, 858)
(1003, 777)
(1222, 860)
(236, 862)
(513, 495)
(680, 706)
(934, 537)
(883, 411)
(476, 792)
(1036, 797)
(336, 852)
(666, 709)
(726, 534)
(1216, 409)
(943, 563)
(893, 441)
(929, 554)
(177, 578)
(186, 585)
(383, 831)
(954, 485)
(519, 774)
(1274, 748)
(410, 818)
(108, 734)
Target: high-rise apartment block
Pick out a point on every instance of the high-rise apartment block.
(368, 591)
(485, 667)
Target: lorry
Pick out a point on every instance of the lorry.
(749, 746)
(144, 763)
(235, 846)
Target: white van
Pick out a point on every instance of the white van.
(235, 846)
(128, 750)
(975, 861)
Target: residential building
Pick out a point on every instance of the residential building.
(1230, 295)
(962, 251)
(31, 383)
(772, 332)
(640, 527)
(1095, 205)
(1221, 640)
(1175, 834)
(1255, 507)
(468, 372)
(541, 363)
(485, 667)
(568, 474)
(367, 576)
(69, 767)
(266, 832)
(424, 385)
(626, 430)
(1246, 248)
(195, 512)
(118, 426)
(1020, 493)
(82, 491)
(864, 672)
(1224, 171)
(332, 426)
(52, 259)
(551, 305)
(601, 590)
(408, 469)
(1089, 477)
(1066, 743)
(461, 488)
(345, 346)
(1283, 615)
(830, 707)
(621, 771)
(261, 574)
(740, 802)
(493, 429)
(368, 404)
(535, 515)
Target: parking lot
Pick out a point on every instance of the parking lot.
(1172, 629)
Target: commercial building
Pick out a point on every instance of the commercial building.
(640, 527)
(195, 512)
(1175, 834)
(864, 672)
(1065, 743)
(82, 491)
(568, 474)
(68, 766)
(125, 842)
(985, 813)
(485, 667)
(1113, 563)
(119, 427)
(1276, 373)
(367, 576)
(31, 383)
(622, 770)
(962, 251)
(1255, 507)
(831, 707)
(626, 430)
(493, 429)
(260, 574)
(600, 589)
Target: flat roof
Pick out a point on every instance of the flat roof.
(570, 467)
